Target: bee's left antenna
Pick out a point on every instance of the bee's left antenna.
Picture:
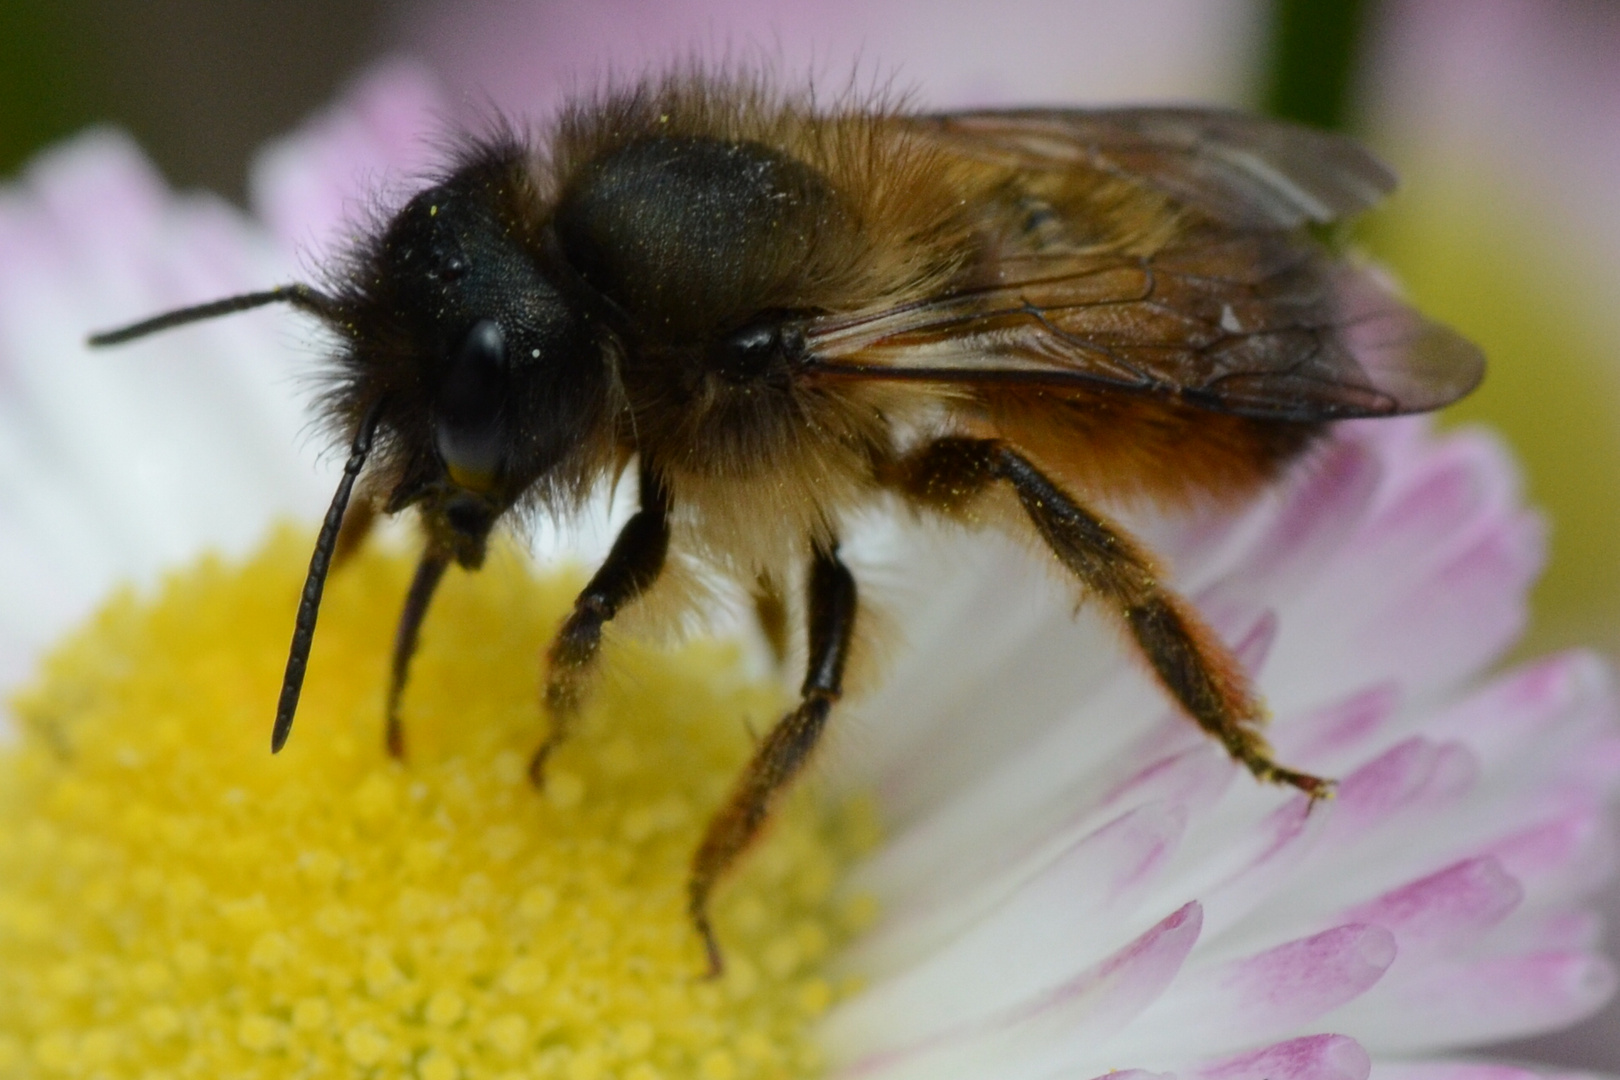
(309, 604)
(299, 296)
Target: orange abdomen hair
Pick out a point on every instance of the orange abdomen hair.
(1135, 448)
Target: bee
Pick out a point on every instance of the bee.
(779, 314)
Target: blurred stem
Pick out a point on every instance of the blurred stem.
(1311, 59)
(41, 78)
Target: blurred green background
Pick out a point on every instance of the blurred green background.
(200, 83)
(1473, 253)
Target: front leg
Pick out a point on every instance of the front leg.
(780, 757)
(631, 567)
(429, 572)
(1189, 660)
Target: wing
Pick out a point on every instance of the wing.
(1242, 170)
(1233, 308)
(1254, 325)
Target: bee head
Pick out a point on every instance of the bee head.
(467, 379)
(493, 378)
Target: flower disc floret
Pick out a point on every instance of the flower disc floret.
(174, 899)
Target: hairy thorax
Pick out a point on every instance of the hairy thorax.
(760, 469)
(705, 253)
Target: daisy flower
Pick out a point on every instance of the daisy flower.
(1017, 860)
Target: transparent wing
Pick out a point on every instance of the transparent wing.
(1242, 170)
(1255, 324)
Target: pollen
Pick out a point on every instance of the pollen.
(177, 902)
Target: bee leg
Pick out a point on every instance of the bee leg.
(1189, 660)
(429, 572)
(780, 757)
(770, 611)
(352, 533)
(633, 564)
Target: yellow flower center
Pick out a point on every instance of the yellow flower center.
(174, 901)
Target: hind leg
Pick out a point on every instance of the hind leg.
(1189, 660)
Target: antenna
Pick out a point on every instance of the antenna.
(309, 605)
(299, 296)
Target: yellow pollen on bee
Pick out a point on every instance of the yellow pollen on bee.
(471, 479)
(174, 901)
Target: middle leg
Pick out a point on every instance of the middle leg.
(784, 751)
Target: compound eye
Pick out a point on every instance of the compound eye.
(763, 348)
(469, 421)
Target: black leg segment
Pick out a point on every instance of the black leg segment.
(429, 572)
(1189, 660)
(784, 751)
(633, 564)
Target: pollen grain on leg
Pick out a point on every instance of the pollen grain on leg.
(175, 901)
